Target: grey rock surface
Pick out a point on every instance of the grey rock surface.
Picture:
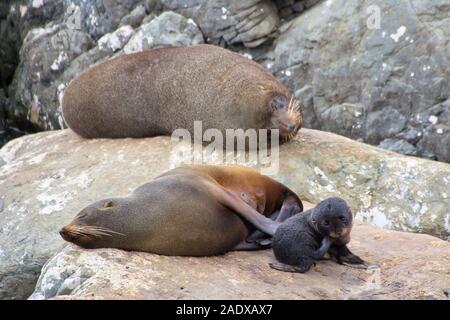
(369, 81)
(250, 22)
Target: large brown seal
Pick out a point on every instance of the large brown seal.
(159, 90)
(189, 211)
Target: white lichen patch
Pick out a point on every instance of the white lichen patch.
(37, 3)
(190, 21)
(116, 40)
(60, 92)
(56, 65)
(433, 119)
(248, 56)
(397, 35)
(83, 181)
(20, 211)
(37, 33)
(53, 202)
(375, 216)
(53, 199)
(23, 10)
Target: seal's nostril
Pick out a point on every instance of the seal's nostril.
(64, 234)
(291, 127)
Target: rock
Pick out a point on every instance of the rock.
(9, 46)
(75, 273)
(53, 55)
(134, 18)
(400, 146)
(48, 177)
(396, 74)
(45, 54)
(168, 29)
(250, 22)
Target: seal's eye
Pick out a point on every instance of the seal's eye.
(81, 215)
(108, 204)
(342, 218)
(278, 102)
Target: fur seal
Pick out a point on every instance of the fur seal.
(156, 91)
(188, 211)
(306, 237)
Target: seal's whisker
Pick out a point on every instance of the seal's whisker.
(102, 231)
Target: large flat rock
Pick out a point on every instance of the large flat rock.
(46, 178)
(412, 266)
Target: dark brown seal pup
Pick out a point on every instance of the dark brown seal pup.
(189, 211)
(306, 237)
(157, 91)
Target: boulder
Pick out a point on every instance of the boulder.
(247, 22)
(412, 266)
(373, 70)
(48, 177)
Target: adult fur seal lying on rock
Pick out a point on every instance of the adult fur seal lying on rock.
(306, 237)
(188, 211)
(156, 91)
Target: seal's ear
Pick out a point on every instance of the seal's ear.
(278, 102)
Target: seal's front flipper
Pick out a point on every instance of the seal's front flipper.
(230, 200)
(344, 256)
(325, 246)
(288, 268)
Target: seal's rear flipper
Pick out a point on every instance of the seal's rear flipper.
(251, 246)
(230, 200)
(289, 208)
(288, 268)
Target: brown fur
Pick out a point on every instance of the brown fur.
(157, 91)
(178, 213)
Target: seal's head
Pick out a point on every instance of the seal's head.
(332, 217)
(285, 116)
(96, 225)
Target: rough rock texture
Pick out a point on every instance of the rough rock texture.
(48, 177)
(380, 83)
(412, 266)
(251, 22)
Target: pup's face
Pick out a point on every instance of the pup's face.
(333, 218)
(285, 116)
(91, 229)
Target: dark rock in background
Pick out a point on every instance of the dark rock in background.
(396, 77)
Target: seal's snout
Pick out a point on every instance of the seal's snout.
(67, 235)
